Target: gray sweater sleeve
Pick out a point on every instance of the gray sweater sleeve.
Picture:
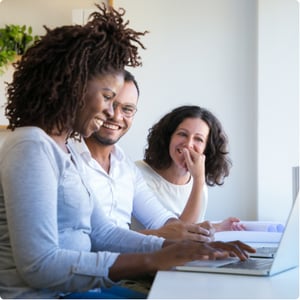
(52, 250)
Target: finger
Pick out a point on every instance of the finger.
(198, 228)
(240, 249)
(199, 237)
(195, 150)
(206, 224)
(217, 254)
(187, 157)
(235, 248)
(245, 247)
(237, 227)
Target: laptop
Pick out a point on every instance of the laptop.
(264, 252)
(287, 255)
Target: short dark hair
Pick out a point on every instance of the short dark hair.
(50, 82)
(217, 162)
(128, 77)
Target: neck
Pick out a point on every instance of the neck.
(101, 153)
(175, 175)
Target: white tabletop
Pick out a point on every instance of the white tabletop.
(188, 285)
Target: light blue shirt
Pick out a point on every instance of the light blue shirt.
(53, 235)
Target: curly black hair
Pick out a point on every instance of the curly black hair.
(217, 162)
(50, 81)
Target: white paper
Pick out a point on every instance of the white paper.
(263, 226)
(249, 236)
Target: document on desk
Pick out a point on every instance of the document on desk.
(267, 226)
(249, 236)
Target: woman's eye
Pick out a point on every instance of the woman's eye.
(199, 140)
(107, 97)
(181, 133)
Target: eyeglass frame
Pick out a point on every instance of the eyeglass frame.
(117, 104)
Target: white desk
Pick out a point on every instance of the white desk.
(191, 285)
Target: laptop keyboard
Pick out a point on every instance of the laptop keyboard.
(264, 252)
(256, 264)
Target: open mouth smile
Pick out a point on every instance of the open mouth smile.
(111, 126)
(99, 122)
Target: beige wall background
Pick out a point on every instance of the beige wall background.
(238, 58)
(36, 14)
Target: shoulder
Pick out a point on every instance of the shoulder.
(151, 177)
(26, 134)
(143, 166)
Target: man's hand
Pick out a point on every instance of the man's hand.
(177, 230)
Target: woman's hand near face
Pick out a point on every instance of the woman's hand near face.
(195, 163)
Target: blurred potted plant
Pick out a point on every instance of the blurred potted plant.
(14, 41)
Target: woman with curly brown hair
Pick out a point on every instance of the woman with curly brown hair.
(187, 150)
(55, 239)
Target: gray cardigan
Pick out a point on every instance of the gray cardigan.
(54, 237)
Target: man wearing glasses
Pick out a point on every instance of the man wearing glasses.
(118, 183)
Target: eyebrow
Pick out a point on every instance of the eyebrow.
(197, 133)
(109, 90)
(129, 104)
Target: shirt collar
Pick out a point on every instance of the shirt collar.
(81, 148)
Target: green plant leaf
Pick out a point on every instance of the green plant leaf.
(14, 40)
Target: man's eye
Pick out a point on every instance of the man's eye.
(128, 109)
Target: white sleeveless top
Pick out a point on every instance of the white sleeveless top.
(172, 196)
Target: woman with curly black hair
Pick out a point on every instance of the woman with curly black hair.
(187, 150)
(55, 239)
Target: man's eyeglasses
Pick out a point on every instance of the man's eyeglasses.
(127, 110)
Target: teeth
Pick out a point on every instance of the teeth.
(110, 126)
(99, 122)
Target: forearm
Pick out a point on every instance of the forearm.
(135, 265)
(158, 232)
(131, 266)
(192, 209)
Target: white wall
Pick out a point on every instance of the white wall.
(238, 58)
(202, 53)
(213, 53)
(278, 105)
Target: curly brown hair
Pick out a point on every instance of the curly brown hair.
(217, 162)
(50, 81)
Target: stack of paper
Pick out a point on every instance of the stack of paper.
(255, 232)
(263, 226)
(249, 236)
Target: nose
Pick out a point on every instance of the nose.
(190, 143)
(117, 111)
(110, 109)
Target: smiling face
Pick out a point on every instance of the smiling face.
(118, 124)
(191, 133)
(101, 92)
